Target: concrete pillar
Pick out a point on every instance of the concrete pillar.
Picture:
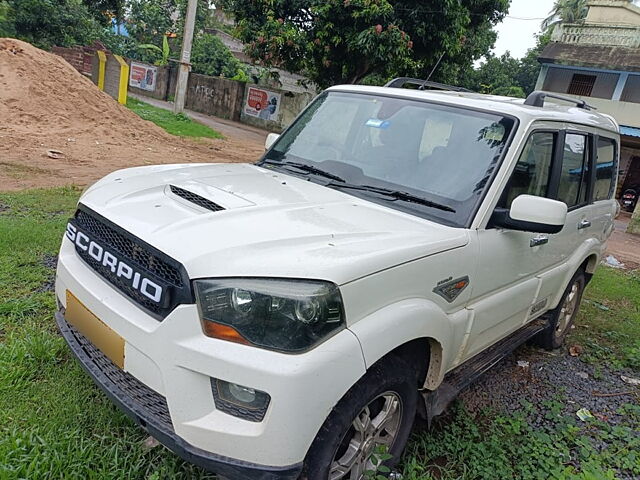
(185, 66)
(622, 80)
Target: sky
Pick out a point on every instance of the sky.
(517, 31)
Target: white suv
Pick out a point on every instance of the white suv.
(281, 320)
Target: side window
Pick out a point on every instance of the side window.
(574, 175)
(531, 175)
(605, 169)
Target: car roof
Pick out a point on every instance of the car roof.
(494, 103)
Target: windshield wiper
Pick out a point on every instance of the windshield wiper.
(306, 168)
(395, 194)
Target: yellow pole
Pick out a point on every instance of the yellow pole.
(124, 80)
(102, 58)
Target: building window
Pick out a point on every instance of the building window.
(581, 84)
(596, 84)
(631, 92)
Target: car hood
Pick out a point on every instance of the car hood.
(272, 225)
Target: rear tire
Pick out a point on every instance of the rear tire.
(378, 410)
(562, 317)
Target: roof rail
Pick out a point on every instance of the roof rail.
(536, 99)
(423, 84)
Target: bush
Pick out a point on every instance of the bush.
(212, 57)
(514, 91)
(6, 21)
(119, 44)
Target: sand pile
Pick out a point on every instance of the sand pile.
(45, 104)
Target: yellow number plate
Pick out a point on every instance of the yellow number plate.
(97, 332)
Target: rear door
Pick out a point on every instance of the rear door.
(604, 205)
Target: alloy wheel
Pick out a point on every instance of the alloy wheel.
(377, 424)
(568, 310)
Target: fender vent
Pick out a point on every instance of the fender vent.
(194, 198)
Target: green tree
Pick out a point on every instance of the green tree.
(463, 36)
(6, 20)
(494, 74)
(505, 75)
(512, 91)
(529, 70)
(210, 56)
(567, 11)
(45, 23)
(344, 41)
(105, 10)
(150, 20)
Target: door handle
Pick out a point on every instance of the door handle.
(538, 240)
(584, 224)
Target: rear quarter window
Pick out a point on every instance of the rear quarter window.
(606, 166)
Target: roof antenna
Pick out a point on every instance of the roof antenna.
(422, 87)
(463, 40)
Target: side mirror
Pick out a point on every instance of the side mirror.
(271, 139)
(529, 213)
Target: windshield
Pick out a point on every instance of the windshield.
(435, 159)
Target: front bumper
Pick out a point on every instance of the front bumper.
(149, 410)
(173, 360)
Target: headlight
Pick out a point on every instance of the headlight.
(285, 315)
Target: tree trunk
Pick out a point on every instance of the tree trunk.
(359, 74)
(634, 224)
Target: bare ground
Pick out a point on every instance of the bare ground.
(625, 247)
(45, 104)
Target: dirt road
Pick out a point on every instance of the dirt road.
(624, 246)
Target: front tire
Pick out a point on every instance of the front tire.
(378, 410)
(562, 317)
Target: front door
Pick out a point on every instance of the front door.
(507, 280)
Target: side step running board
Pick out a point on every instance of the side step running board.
(464, 375)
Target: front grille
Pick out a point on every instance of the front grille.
(145, 399)
(195, 198)
(136, 253)
(130, 248)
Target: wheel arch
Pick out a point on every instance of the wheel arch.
(590, 264)
(425, 353)
(416, 330)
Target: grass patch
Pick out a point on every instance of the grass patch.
(634, 225)
(493, 446)
(54, 423)
(608, 325)
(176, 124)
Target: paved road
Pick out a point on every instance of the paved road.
(235, 130)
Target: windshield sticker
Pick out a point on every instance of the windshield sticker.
(376, 123)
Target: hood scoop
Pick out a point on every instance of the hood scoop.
(195, 198)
